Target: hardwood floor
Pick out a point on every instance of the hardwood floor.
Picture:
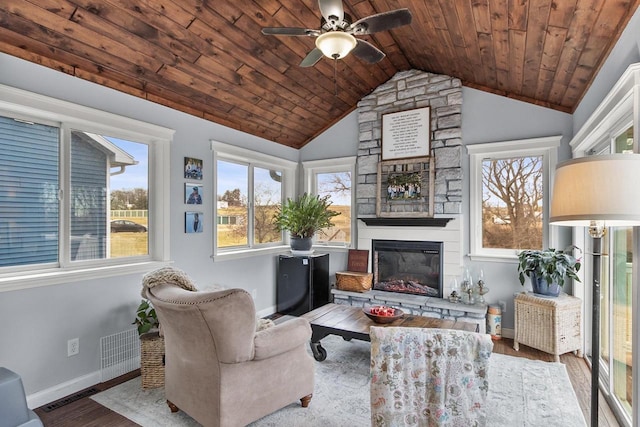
(86, 412)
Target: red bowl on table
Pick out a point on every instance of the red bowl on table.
(382, 313)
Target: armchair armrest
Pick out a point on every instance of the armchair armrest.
(281, 338)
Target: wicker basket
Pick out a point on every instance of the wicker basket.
(152, 360)
(353, 281)
(552, 325)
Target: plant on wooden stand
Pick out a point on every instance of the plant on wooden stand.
(303, 217)
(548, 269)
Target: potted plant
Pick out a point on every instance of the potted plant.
(548, 269)
(146, 318)
(151, 346)
(303, 217)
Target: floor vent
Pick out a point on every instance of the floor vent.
(65, 401)
(119, 354)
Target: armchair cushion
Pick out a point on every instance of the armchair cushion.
(281, 338)
(428, 377)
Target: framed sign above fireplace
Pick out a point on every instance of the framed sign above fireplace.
(406, 134)
(405, 188)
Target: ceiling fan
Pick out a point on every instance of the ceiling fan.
(335, 38)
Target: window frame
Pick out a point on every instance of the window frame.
(28, 106)
(239, 155)
(545, 147)
(341, 164)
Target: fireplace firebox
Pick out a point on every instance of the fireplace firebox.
(410, 267)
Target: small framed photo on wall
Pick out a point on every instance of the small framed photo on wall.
(193, 193)
(193, 222)
(192, 168)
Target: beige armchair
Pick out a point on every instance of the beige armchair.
(219, 370)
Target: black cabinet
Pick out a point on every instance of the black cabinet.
(302, 283)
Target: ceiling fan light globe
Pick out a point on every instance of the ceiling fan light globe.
(336, 44)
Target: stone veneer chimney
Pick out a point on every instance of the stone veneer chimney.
(408, 90)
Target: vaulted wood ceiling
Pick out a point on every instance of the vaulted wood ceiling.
(208, 57)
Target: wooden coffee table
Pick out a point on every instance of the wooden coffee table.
(351, 322)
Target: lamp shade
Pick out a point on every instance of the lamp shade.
(597, 188)
(336, 44)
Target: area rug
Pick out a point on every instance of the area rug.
(522, 392)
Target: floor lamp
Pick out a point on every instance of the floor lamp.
(597, 192)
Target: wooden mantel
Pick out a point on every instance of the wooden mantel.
(406, 222)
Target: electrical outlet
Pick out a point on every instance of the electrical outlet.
(254, 294)
(73, 347)
(503, 306)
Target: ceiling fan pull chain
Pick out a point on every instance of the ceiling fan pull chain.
(335, 76)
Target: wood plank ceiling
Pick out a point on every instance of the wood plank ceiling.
(208, 57)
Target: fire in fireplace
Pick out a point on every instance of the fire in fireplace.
(411, 267)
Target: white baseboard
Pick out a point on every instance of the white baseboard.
(59, 391)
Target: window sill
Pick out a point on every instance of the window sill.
(493, 258)
(18, 281)
(282, 249)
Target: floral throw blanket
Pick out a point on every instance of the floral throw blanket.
(428, 377)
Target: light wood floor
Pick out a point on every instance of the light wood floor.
(86, 412)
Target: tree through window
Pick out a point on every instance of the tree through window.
(512, 203)
(509, 195)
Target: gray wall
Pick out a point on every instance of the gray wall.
(340, 140)
(491, 118)
(36, 323)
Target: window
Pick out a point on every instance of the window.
(73, 199)
(333, 178)
(249, 189)
(616, 306)
(509, 195)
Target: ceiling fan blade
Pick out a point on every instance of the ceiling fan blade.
(312, 58)
(286, 31)
(330, 8)
(368, 52)
(381, 22)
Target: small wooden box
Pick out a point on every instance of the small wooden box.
(353, 281)
(358, 260)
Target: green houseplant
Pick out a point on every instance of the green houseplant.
(548, 269)
(146, 318)
(303, 217)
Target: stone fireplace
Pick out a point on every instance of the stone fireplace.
(409, 90)
(405, 91)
